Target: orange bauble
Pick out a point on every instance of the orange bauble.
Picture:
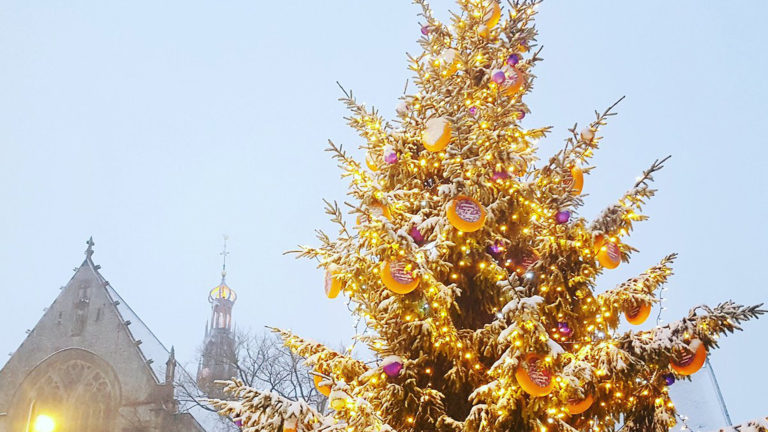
(576, 180)
(637, 314)
(289, 425)
(332, 283)
(371, 163)
(449, 59)
(492, 15)
(466, 214)
(578, 407)
(437, 134)
(323, 389)
(691, 360)
(533, 376)
(513, 82)
(397, 277)
(608, 253)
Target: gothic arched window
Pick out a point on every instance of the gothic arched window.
(74, 386)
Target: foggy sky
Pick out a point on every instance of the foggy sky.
(158, 126)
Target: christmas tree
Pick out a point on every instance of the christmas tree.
(475, 278)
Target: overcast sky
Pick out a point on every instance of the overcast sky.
(158, 126)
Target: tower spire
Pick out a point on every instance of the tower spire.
(217, 363)
(224, 254)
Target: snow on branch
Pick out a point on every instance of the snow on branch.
(702, 322)
(268, 411)
(618, 218)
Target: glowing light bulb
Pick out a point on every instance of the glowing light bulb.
(44, 423)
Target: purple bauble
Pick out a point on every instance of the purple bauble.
(416, 235)
(669, 379)
(496, 248)
(562, 216)
(499, 175)
(390, 157)
(498, 76)
(563, 328)
(425, 30)
(238, 423)
(392, 366)
(473, 110)
(520, 115)
(513, 59)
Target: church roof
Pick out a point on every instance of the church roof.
(156, 355)
(154, 352)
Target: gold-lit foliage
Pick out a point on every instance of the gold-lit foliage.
(500, 327)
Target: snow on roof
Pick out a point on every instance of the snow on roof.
(156, 355)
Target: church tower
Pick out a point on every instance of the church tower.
(219, 355)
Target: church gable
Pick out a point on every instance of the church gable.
(90, 346)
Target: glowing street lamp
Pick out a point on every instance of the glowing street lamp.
(43, 423)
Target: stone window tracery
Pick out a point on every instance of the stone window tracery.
(79, 391)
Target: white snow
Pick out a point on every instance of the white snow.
(449, 56)
(434, 130)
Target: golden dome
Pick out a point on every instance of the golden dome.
(222, 292)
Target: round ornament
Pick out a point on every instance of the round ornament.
(575, 179)
(416, 235)
(637, 313)
(425, 30)
(436, 134)
(492, 14)
(496, 248)
(564, 329)
(562, 216)
(498, 76)
(490, 19)
(332, 282)
(289, 425)
(390, 155)
(533, 376)
(466, 214)
(669, 379)
(524, 263)
(691, 359)
(513, 59)
(323, 389)
(473, 110)
(520, 115)
(449, 59)
(338, 400)
(398, 276)
(392, 366)
(500, 175)
(514, 81)
(370, 162)
(608, 253)
(575, 406)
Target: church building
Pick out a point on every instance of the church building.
(91, 365)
